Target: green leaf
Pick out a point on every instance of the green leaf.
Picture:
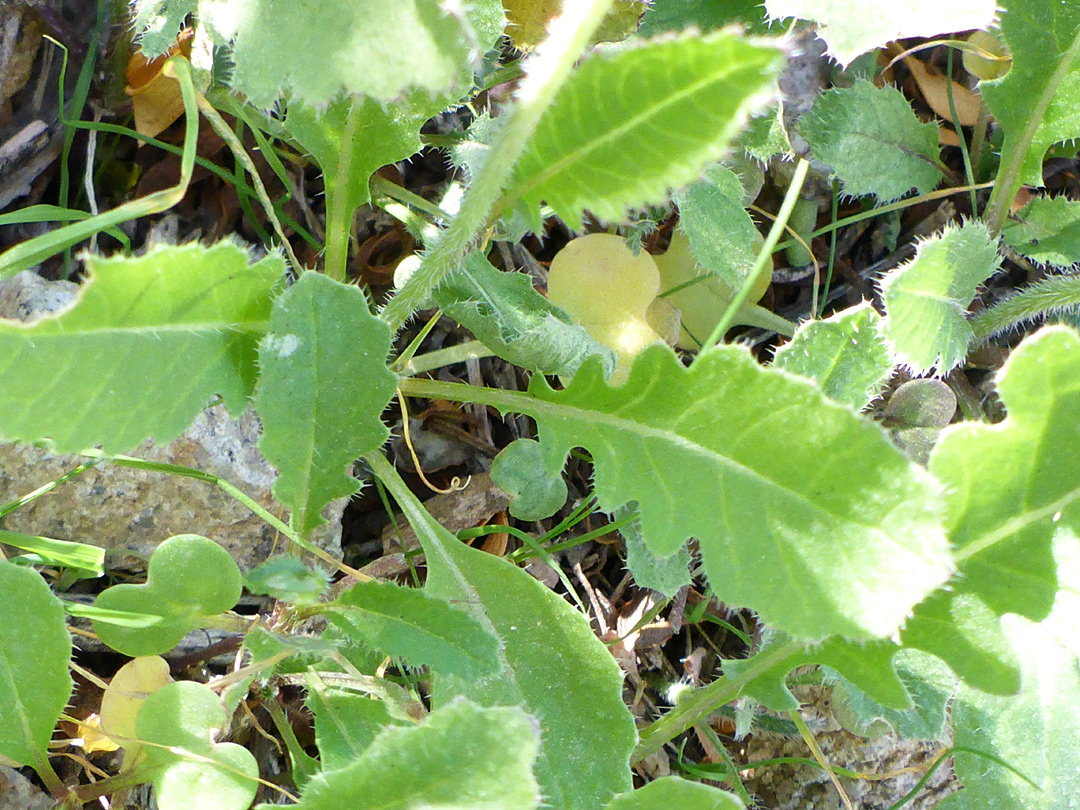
(419, 627)
(666, 575)
(927, 298)
(157, 22)
(672, 792)
(853, 27)
(551, 664)
(188, 580)
(35, 649)
(339, 46)
(1046, 231)
(353, 137)
(629, 125)
(519, 472)
(845, 354)
(79, 556)
(873, 141)
(346, 723)
(722, 236)
(1040, 90)
(511, 318)
(462, 756)
(705, 15)
(770, 514)
(185, 715)
(764, 137)
(287, 579)
(315, 424)
(149, 341)
(1037, 732)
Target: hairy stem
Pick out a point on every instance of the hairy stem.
(339, 213)
(1051, 295)
(546, 73)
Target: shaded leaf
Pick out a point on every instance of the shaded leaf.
(461, 756)
(35, 649)
(157, 22)
(671, 792)
(519, 472)
(346, 723)
(666, 575)
(315, 425)
(845, 354)
(629, 125)
(873, 141)
(1046, 231)
(149, 341)
(288, 579)
(927, 298)
(417, 626)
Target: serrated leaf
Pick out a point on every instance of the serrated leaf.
(346, 723)
(315, 422)
(853, 27)
(157, 22)
(149, 341)
(1039, 33)
(1046, 231)
(629, 125)
(35, 649)
(519, 472)
(721, 233)
(845, 354)
(339, 46)
(287, 579)
(764, 137)
(461, 756)
(189, 578)
(927, 298)
(834, 535)
(181, 718)
(511, 318)
(705, 15)
(672, 792)
(546, 646)
(1037, 732)
(873, 141)
(666, 575)
(422, 629)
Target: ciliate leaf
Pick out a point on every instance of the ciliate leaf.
(666, 575)
(189, 579)
(35, 649)
(546, 646)
(1039, 33)
(511, 318)
(183, 718)
(417, 626)
(157, 22)
(834, 534)
(287, 579)
(853, 27)
(519, 472)
(339, 46)
(314, 425)
(1037, 733)
(722, 236)
(462, 756)
(1046, 231)
(873, 141)
(149, 341)
(927, 298)
(629, 125)
(845, 354)
(672, 792)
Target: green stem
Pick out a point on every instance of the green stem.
(470, 350)
(832, 250)
(1009, 177)
(968, 173)
(764, 258)
(1051, 295)
(380, 185)
(549, 69)
(339, 213)
(692, 706)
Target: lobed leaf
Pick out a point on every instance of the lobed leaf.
(150, 339)
(35, 649)
(873, 141)
(323, 388)
(629, 125)
(519, 472)
(853, 27)
(463, 755)
(927, 298)
(1046, 231)
(844, 354)
(422, 629)
(835, 535)
(666, 575)
(1040, 89)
